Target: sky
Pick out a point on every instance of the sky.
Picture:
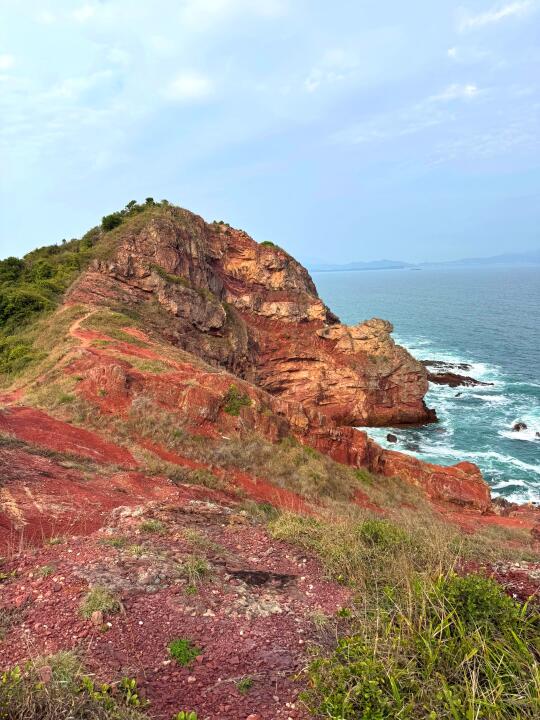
(342, 131)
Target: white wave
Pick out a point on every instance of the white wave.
(528, 435)
(495, 400)
(509, 483)
(527, 495)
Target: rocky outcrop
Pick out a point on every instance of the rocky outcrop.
(253, 310)
(446, 374)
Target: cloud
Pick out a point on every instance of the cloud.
(496, 14)
(189, 87)
(72, 88)
(203, 14)
(84, 13)
(335, 66)
(6, 61)
(423, 115)
(456, 92)
(45, 17)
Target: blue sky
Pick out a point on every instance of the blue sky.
(350, 130)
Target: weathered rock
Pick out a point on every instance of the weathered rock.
(460, 484)
(454, 380)
(517, 427)
(254, 310)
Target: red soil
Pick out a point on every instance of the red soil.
(38, 428)
(243, 629)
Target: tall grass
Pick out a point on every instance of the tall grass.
(419, 642)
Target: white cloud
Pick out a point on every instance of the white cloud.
(84, 13)
(420, 117)
(495, 14)
(456, 92)
(6, 61)
(72, 88)
(189, 87)
(119, 56)
(45, 17)
(452, 52)
(335, 66)
(202, 14)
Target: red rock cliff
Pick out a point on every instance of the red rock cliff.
(252, 309)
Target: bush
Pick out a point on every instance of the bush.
(69, 694)
(183, 651)
(109, 222)
(459, 649)
(235, 400)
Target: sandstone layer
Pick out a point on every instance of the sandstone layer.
(252, 309)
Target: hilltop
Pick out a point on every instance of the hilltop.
(187, 500)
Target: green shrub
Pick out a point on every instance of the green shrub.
(382, 534)
(109, 222)
(459, 649)
(69, 694)
(186, 715)
(267, 243)
(99, 598)
(235, 400)
(183, 651)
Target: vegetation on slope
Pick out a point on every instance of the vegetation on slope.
(33, 286)
(419, 642)
(57, 688)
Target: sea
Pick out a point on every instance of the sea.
(488, 318)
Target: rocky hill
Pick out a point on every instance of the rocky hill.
(178, 432)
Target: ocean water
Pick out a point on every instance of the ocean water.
(489, 318)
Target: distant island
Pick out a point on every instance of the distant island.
(530, 259)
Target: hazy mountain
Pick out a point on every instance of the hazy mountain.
(529, 259)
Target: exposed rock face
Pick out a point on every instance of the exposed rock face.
(254, 310)
(455, 380)
(445, 374)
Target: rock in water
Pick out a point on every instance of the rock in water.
(519, 426)
(392, 438)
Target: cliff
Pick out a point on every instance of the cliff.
(253, 310)
(179, 468)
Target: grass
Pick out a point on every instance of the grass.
(152, 526)
(99, 599)
(183, 651)
(455, 648)
(46, 571)
(115, 542)
(244, 685)
(69, 693)
(418, 642)
(195, 569)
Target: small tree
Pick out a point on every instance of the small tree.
(109, 222)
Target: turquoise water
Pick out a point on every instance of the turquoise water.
(489, 318)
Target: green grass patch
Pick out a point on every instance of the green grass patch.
(99, 599)
(68, 694)
(152, 526)
(459, 648)
(234, 400)
(183, 651)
